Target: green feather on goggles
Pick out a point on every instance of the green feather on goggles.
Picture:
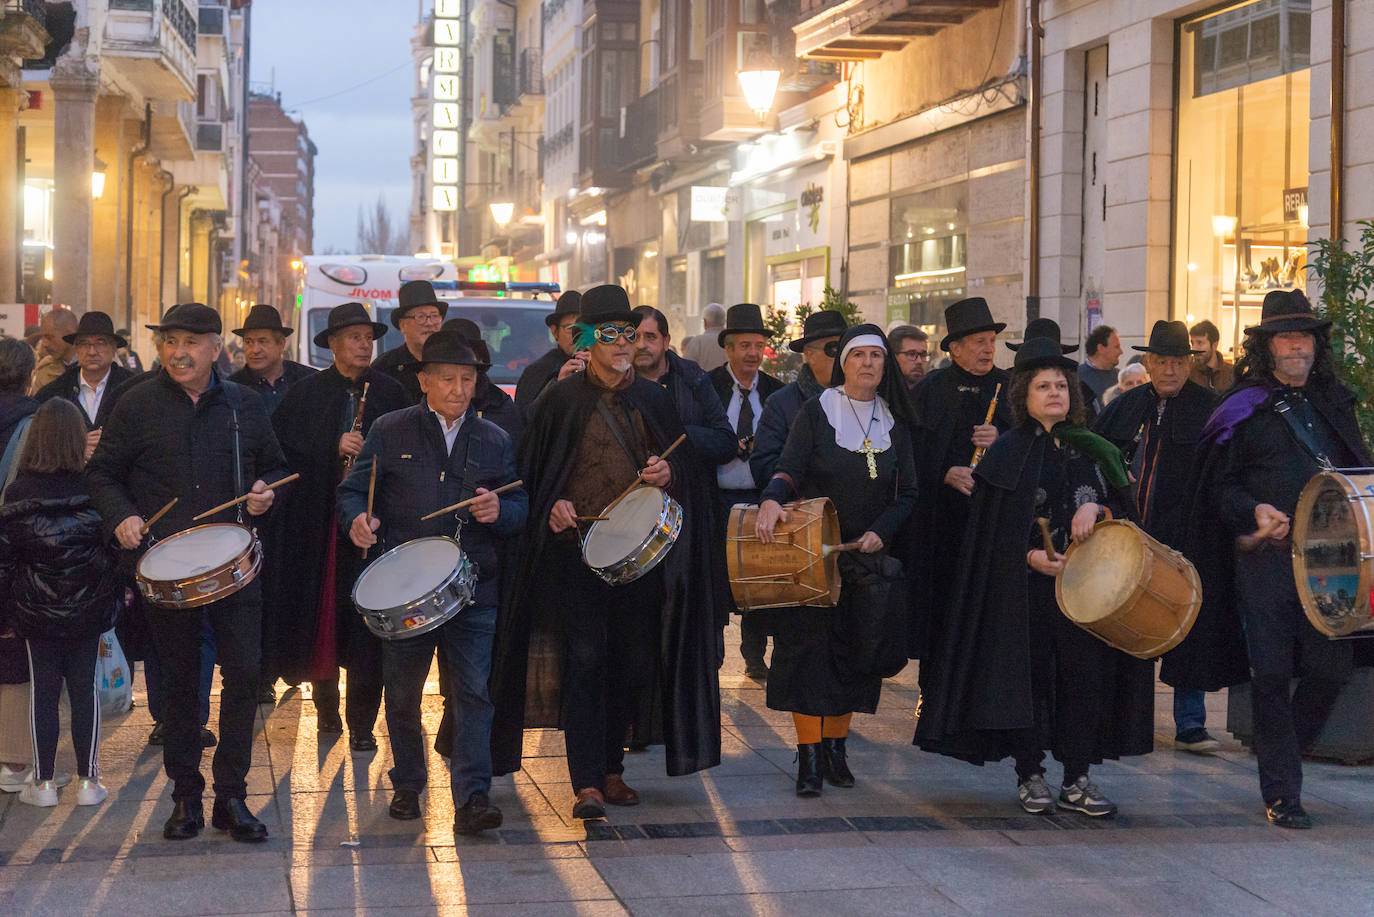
(584, 336)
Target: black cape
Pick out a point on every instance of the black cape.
(537, 376)
(526, 666)
(492, 403)
(977, 685)
(308, 424)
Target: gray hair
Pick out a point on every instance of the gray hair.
(16, 366)
(713, 316)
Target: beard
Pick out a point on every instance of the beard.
(1295, 365)
(622, 365)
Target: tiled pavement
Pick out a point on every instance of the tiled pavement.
(918, 835)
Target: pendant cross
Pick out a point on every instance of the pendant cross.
(868, 452)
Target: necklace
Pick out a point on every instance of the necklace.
(867, 451)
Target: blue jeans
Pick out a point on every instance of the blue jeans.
(465, 649)
(152, 674)
(1190, 710)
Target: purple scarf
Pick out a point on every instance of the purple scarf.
(1233, 410)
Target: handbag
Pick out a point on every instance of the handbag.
(871, 635)
(112, 680)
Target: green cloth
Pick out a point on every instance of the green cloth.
(1107, 456)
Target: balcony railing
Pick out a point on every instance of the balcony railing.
(35, 8)
(210, 20)
(639, 130)
(23, 29)
(532, 72)
(174, 12)
(209, 137)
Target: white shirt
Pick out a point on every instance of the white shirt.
(450, 433)
(91, 395)
(735, 474)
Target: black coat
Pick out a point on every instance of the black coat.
(492, 402)
(779, 412)
(401, 365)
(57, 572)
(158, 444)
(68, 385)
(977, 683)
(13, 408)
(291, 373)
(689, 660)
(536, 378)
(14, 664)
(308, 423)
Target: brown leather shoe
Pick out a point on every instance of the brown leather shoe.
(590, 804)
(619, 793)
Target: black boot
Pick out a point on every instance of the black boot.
(188, 817)
(833, 764)
(233, 815)
(809, 770)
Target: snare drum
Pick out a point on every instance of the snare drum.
(1333, 547)
(1129, 590)
(415, 587)
(638, 534)
(793, 570)
(200, 565)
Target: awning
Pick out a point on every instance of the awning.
(868, 29)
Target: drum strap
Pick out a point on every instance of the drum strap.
(231, 398)
(1301, 433)
(618, 432)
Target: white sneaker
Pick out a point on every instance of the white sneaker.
(89, 792)
(39, 794)
(12, 781)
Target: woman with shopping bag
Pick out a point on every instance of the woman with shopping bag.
(63, 593)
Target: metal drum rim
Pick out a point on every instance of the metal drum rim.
(413, 603)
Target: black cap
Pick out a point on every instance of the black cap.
(607, 303)
(744, 318)
(467, 329)
(968, 316)
(449, 347)
(1042, 353)
(412, 295)
(1169, 339)
(348, 315)
(93, 323)
(194, 317)
(165, 316)
(826, 323)
(1286, 310)
(1043, 328)
(263, 317)
(570, 303)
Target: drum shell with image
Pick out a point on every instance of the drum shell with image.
(200, 565)
(1333, 551)
(793, 570)
(415, 588)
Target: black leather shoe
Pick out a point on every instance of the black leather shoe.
(188, 817)
(207, 738)
(755, 669)
(362, 741)
(156, 736)
(232, 815)
(476, 815)
(1288, 814)
(328, 723)
(834, 765)
(809, 770)
(405, 805)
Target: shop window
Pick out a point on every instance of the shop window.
(928, 256)
(1241, 214)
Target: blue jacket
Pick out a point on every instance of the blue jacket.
(703, 416)
(781, 408)
(415, 477)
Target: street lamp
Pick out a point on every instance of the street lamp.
(760, 83)
(98, 179)
(502, 211)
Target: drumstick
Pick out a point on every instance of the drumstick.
(828, 549)
(592, 518)
(237, 500)
(457, 506)
(1045, 536)
(156, 516)
(639, 478)
(371, 491)
(1250, 542)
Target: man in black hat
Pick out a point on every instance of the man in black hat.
(743, 388)
(490, 400)
(1157, 427)
(554, 364)
(431, 455)
(266, 370)
(1287, 419)
(310, 608)
(418, 314)
(644, 653)
(191, 435)
(1049, 328)
(90, 383)
(952, 407)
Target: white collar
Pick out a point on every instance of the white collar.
(81, 380)
(444, 424)
(738, 384)
(850, 420)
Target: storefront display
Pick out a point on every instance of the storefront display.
(928, 255)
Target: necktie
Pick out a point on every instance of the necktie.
(745, 425)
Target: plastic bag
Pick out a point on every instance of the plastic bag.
(112, 677)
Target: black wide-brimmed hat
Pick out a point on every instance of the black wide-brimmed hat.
(263, 317)
(1043, 328)
(826, 323)
(450, 347)
(412, 295)
(468, 330)
(348, 315)
(1286, 310)
(1169, 339)
(1042, 353)
(607, 303)
(570, 303)
(744, 318)
(93, 323)
(968, 316)
(194, 317)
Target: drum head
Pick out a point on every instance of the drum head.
(406, 573)
(1326, 547)
(1102, 573)
(194, 551)
(629, 525)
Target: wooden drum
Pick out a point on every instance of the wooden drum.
(794, 570)
(1129, 590)
(1333, 551)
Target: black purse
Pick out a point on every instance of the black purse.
(871, 630)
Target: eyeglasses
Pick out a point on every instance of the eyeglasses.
(609, 334)
(914, 354)
(425, 318)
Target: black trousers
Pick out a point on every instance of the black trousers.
(361, 704)
(51, 662)
(237, 623)
(610, 661)
(1282, 645)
